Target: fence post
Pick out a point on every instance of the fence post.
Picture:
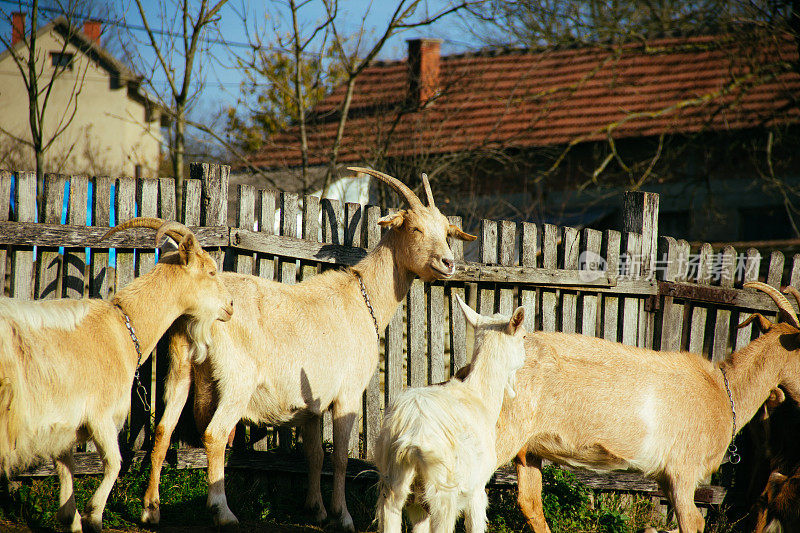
(214, 198)
(640, 215)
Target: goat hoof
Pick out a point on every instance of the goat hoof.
(151, 514)
(342, 524)
(92, 524)
(316, 514)
(226, 520)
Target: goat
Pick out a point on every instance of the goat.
(441, 438)
(67, 366)
(604, 406)
(293, 351)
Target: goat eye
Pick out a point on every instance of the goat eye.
(212, 273)
(418, 230)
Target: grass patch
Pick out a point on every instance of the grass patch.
(274, 502)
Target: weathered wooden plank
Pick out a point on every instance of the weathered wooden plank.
(193, 192)
(214, 194)
(631, 306)
(332, 220)
(752, 262)
(266, 226)
(549, 261)
(311, 233)
(22, 267)
(48, 283)
(125, 210)
(611, 252)
(640, 215)
(506, 244)
(147, 198)
(24, 234)
(5, 212)
(569, 300)
(794, 275)
(775, 271)
(458, 324)
(727, 266)
(591, 242)
(166, 199)
(671, 313)
(289, 210)
(529, 248)
(415, 335)
(488, 256)
(700, 312)
(245, 218)
(436, 368)
(372, 396)
(102, 275)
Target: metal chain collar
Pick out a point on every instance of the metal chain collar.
(733, 453)
(369, 304)
(141, 391)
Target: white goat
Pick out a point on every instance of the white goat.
(66, 366)
(601, 405)
(293, 351)
(440, 439)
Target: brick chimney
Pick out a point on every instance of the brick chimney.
(423, 70)
(17, 27)
(91, 28)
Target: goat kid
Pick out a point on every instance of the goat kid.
(67, 366)
(293, 351)
(604, 406)
(440, 439)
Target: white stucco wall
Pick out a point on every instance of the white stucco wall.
(109, 133)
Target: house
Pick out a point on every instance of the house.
(555, 135)
(101, 120)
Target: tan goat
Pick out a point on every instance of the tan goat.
(293, 351)
(604, 406)
(66, 366)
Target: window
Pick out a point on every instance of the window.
(61, 60)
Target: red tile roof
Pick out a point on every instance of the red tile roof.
(523, 98)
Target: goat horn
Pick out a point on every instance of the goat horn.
(779, 299)
(428, 192)
(175, 230)
(794, 292)
(413, 201)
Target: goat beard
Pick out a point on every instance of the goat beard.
(200, 333)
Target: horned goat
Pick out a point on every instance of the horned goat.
(67, 366)
(440, 438)
(293, 351)
(604, 406)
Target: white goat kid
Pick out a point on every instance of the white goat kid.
(440, 440)
(67, 366)
(293, 351)
(605, 406)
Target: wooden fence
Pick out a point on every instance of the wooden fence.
(629, 285)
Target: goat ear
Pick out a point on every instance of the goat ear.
(776, 397)
(464, 371)
(395, 220)
(471, 316)
(763, 323)
(456, 232)
(187, 248)
(515, 324)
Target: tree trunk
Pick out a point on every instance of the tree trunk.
(178, 160)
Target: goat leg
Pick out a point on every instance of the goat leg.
(312, 446)
(529, 490)
(67, 512)
(343, 422)
(105, 438)
(176, 391)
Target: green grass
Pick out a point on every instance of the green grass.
(270, 501)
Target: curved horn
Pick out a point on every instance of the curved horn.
(175, 230)
(402, 189)
(794, 292)
(139, 222)
(779, 299)
(428, 192)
